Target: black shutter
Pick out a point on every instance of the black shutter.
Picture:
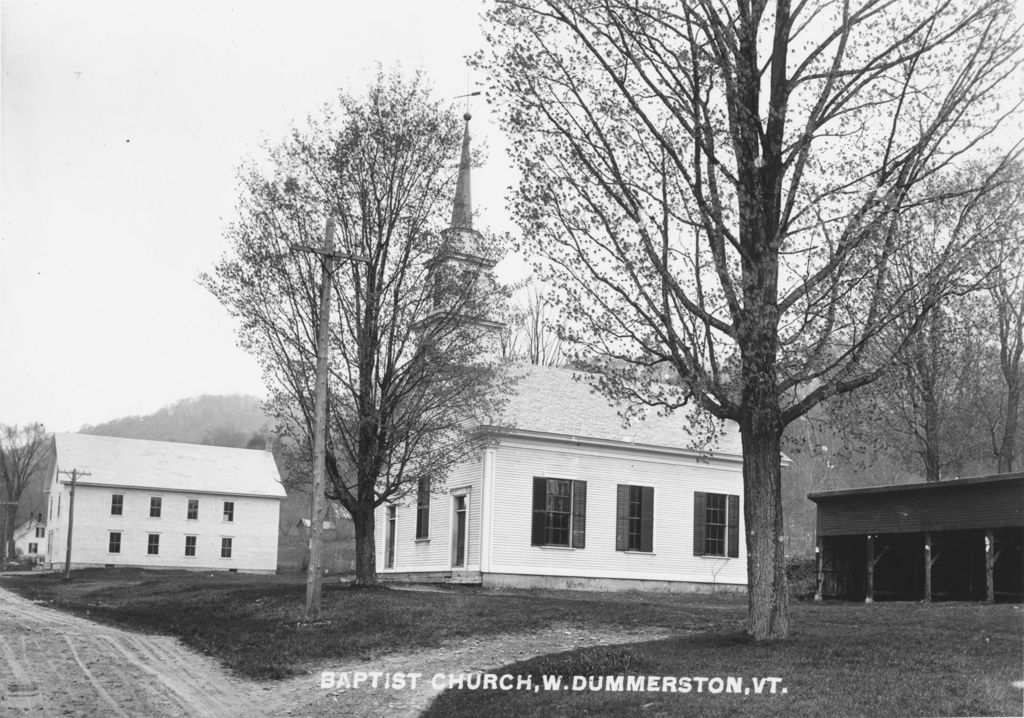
(734, 526)
(540, 500)
(700, 517)
(579, 514)
(621, 517)
(647, 518)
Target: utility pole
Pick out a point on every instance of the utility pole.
(74, 474)
(4, 521)
(314, 574)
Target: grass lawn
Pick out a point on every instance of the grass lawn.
(900, 659)
(889, 659)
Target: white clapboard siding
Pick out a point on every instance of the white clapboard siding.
(435, 552)
(674, 479)
(253, 532)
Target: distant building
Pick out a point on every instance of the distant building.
(30, 539)
(159, 504)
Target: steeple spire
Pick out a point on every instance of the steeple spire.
(462, 212)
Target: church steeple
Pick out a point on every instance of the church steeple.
(459, 274)
(462, 212)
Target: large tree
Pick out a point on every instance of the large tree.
(406, 375)
(24, 452)
(721, 187)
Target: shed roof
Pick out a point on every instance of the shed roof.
(973, 503)
(168, 466)
(562, 403)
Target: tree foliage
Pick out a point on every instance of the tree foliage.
(404, 379)
(24, 452)
(725, 187)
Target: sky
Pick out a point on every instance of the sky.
(121, 131)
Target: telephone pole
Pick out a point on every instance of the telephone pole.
(314, 574)
(74, 474)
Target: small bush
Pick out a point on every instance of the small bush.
(802, 575)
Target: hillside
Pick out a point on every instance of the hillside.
(236, 421)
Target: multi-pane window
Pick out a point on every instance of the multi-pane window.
(423, 509)
(634, 530)
(389, 537)
(116, 505)
(714, 525)
(114, 543)
(155, 505)
(559, 512)
(190, 545)
(40, 531)
(716, 521)
(193, 509)
(153, 547)
(33, 548)
(229, 510)
(225, 547)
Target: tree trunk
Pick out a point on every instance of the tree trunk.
(767, 592)
(1008, 446)
(366, 547)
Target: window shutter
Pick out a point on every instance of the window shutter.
(621, 517)
(540, 498)
(647, 519)
(734, 526)
(579, 514)
(700, 516)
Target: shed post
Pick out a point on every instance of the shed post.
(990, 587)
(869, 590)
(927, 566)
(819, 556)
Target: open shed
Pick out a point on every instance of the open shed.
(959, 539)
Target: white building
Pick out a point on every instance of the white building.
(30, 539)
(159, 504)
(570, 498)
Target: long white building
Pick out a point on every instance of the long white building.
(159, 504)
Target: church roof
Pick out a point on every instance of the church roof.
(168, 466)
(561, 403)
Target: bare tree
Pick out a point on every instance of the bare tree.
(1007, 293)
(24, 452)
(531, 327)
(719, 186)
(406, 373)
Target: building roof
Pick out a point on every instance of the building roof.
(168, 466)
(981, 502)
(954, 484)
(562, 403)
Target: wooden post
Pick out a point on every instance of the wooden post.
(74, 474)
(314, 575)
(314, 572)
(869, 592)
(819, 554)
(990, 561)
(927, 566)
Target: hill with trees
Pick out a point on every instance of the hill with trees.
(234, 420)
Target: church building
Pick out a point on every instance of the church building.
(562, 494)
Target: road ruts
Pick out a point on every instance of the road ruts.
(83, 668)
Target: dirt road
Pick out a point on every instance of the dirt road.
(55, 664)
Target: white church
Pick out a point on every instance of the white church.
(564, 496)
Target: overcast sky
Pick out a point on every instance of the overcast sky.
(123, 124)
